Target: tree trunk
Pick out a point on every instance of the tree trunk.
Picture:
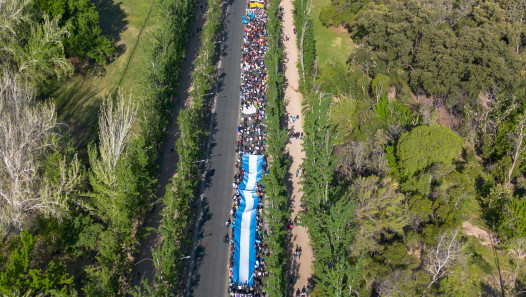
(518, 151)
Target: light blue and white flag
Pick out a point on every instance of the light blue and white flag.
(245, 223)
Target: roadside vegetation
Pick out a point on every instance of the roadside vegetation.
(190, 147)
(276, 213)
(414, 173)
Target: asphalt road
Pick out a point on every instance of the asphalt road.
(210, 272)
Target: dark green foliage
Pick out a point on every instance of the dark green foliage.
(19, 276)
(436, 52)
(85, 39)
(81, 18)
(54, 8)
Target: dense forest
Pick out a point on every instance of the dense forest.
(415, 148)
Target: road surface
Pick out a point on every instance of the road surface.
(210, 272)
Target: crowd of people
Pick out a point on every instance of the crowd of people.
(251, 140)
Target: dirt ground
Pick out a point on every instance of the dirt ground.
(472, 230)
(300, 271)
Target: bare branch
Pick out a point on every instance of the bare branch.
(439, 259)
(27, 131)
(115, 121)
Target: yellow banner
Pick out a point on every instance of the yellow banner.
(256, 4)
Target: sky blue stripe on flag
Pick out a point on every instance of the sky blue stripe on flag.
(245, 223)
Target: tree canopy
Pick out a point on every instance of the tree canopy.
(81, 19)
(426, 145)
(429, 107)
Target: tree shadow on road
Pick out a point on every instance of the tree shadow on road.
(205, 216)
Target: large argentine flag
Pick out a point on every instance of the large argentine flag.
(245, 223)
(253, 167)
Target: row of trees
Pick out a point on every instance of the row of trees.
(305, 42)
(276, 210)
(123, 171)
(180, 193)
(328, 211)
(378, 151)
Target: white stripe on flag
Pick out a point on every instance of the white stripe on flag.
(252, 172)
(244, 247)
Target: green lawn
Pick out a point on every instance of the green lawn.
(78, 97)
(332, 44)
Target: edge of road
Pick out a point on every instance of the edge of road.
(202, 182)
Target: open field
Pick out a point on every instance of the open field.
(78, 97)
(332, 44)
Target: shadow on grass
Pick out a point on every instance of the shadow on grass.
(112, 19)
(78, 108)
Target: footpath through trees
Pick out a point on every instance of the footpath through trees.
(301, 262)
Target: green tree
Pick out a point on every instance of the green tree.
(381, 213)
(122, 186)
(81, 19)
(380, 85)
(19, 274)
(426, 145)
(277, 213)
(30, 49)
(85, 39)
(54, 8)
(517, 218)
(328, 212)
(334, 78)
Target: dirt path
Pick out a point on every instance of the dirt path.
(301, 266)
(482, 235)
